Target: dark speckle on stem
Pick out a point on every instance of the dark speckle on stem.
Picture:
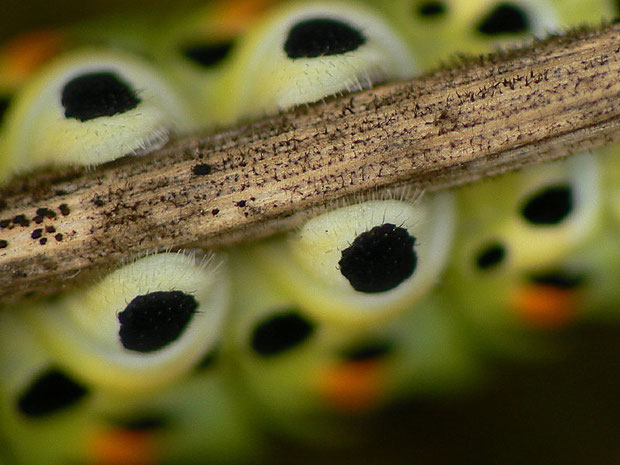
(64, 209)
(202, 169)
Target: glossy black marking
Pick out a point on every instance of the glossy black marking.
(152, 321)
(322, 37)
(368, 351)
(94, 95)
(562, 279)
(51, 392)
(379, 259)
(490, 256)
(431, 9)
(280, 332)
(505, 19)
(37, 233)
(550, 205)
(207, 55)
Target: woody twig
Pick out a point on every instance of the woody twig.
(477, 118)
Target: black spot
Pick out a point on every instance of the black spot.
(50, 229)
(280, 332)
(144, 422)
(201, 169)
(379, 259)
(368, 351)
(4, 106)
(550, 205)
(51, 392)
(58, 237)
(559, 279)
(37, 233)
(64, 209)
(322, 37)
(152, 321)
(5, 223)
(215, 211)
(431, 9)
(94, 95)
(504, 19)
(207, 55)
(490, 256)
(43, 241)
(3, 244)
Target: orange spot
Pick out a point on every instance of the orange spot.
(235, 17)
(546, 307)
(21, 56)
(122, 447)
(352, 386)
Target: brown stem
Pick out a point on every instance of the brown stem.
(482, 117)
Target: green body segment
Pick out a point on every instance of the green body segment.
(307, 264)
(72, 389)
(439, 30)
(24, 56)
(86, 331)
(304, 52)
(506, 274)
(195, 48)
(310, 378)
(89, 107)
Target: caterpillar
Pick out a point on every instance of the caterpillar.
(194, 356)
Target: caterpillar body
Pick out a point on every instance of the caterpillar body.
(193, 356)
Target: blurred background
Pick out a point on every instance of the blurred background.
(565, 410)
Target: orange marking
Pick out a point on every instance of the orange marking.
(21, 56)
(352, 386)
(546, 307)
(122, 447)
(235, 17)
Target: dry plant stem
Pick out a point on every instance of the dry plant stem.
(482, 117)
